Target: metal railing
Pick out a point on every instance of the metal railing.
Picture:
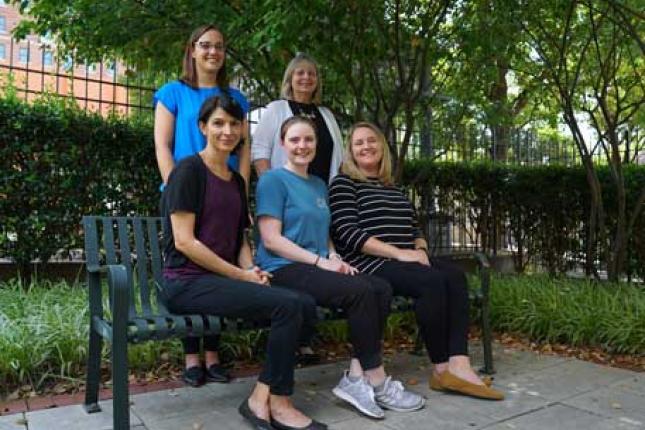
(30, 68)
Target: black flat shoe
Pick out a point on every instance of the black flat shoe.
(194, 376)
(313, 425)
(217, 373)
(257, 422)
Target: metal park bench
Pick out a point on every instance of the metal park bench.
(127, 250)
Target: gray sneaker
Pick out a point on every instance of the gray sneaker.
(359, 394)
(395, 397)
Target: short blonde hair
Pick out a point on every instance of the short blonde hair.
(350, 168)
(286, 91)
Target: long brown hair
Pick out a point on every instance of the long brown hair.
(189, 69)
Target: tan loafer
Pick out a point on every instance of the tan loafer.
(435, 382)
(449, 382)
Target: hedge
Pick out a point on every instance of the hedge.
(545, 207)
(60, 163)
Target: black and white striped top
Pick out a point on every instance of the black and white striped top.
(360, 210)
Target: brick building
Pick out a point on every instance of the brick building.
(35, 67)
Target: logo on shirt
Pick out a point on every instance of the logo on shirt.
(321, 202)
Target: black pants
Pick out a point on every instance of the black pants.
(216, 295)
(440, 294)
(365, 299)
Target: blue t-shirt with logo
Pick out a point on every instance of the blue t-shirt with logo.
(184, 102)
(301, 205)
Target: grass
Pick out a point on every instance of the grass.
(575, 312)
(44, 327)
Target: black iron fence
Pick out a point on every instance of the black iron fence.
(31, 68)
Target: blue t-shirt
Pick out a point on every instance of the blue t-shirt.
(301, 205)
(184, 103)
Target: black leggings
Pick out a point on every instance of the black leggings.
(365, 299)
(216, 295)
(440, 294)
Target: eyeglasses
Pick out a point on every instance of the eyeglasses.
(207, 46)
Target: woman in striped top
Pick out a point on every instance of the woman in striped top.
(374, 229)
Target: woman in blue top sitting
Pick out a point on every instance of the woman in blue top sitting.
(177, 136)
(294, 220)
(208, 267)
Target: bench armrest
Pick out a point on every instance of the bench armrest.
(117, 278)
(119, 296)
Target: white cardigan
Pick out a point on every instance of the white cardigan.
(266, 138)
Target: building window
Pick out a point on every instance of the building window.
(68, 65)
(110, 68)
(3, 23)
(3, 51)
(48, 58)
(23, 55)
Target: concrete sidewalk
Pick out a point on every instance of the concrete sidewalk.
(543, 392)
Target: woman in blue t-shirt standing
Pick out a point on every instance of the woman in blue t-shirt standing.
(177, 136)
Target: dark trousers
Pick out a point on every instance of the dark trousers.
(216, 295)
(440, 294)
(191, 343)
(365, 299)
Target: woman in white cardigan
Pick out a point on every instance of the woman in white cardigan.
(301, 95)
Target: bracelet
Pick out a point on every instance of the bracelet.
(334, 254)
(317, 260)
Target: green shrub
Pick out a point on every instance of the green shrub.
(44, 328)
(60, 163)
(44, 334)
(575, 312)
(545, 207)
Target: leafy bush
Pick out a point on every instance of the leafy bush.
(575, 312)
(60, 163)
(44, 334)
(44, 328)
(545, 207)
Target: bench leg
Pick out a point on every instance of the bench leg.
(487, 339)
(120, 392)
(91, 404)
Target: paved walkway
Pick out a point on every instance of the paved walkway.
(543, 392)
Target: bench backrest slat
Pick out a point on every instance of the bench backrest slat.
(92, 258)
(154, 232)
(126, 256)
(136, 245)
(142, 264)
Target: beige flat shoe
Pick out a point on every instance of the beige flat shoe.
(435, 383)
(449, 382)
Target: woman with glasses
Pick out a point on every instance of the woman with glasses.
(177, 136)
